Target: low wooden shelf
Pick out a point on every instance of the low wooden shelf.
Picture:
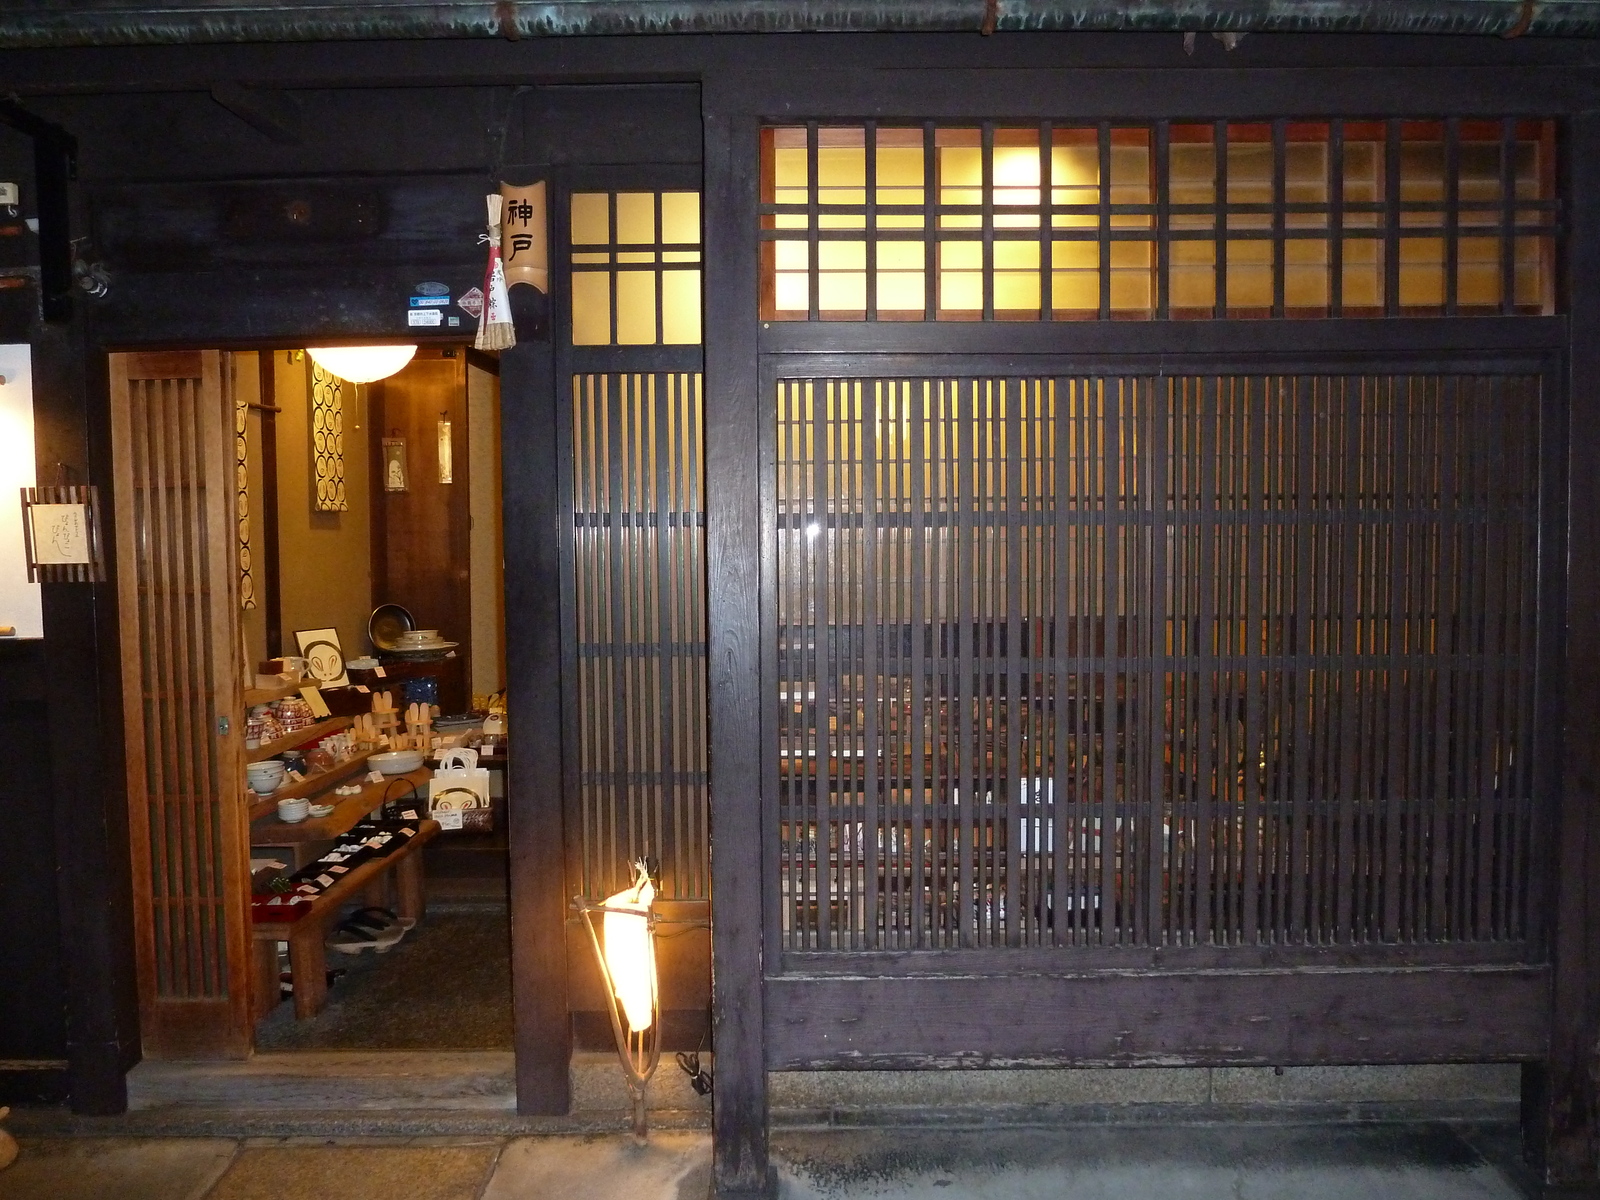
(299, 737)
(311, 785)
(308, 956)
(267, 830)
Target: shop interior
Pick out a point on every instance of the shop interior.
(369, 569)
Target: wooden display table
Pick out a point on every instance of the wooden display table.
(308, 956)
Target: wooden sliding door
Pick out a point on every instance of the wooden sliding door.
(187, 824)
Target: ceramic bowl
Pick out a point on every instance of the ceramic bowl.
(292, 811)
(320, 810)
(396, 762)
(265, 777)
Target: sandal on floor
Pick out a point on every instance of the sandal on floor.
(351, 938)
(378, 919)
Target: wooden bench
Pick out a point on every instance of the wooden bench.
(308, 958)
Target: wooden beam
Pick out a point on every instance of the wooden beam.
(733, 416)
(273, 114)
(1273, 1018)
(89, 801)
(1561, 1095)
(539, 893)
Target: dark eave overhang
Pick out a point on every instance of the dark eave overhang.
(25, 23)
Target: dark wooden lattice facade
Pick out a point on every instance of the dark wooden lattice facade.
(1183, 660)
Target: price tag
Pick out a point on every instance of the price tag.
(374, 776)
(380, 673)
(361, 687)
(448, 820)
(325, 880)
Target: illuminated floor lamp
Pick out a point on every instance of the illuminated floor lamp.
(625, 949)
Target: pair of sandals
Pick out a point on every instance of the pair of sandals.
(369, 929)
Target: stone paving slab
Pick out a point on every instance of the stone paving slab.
(116, 1168)
(1411, 1161)
(1194, 1163)
(294, 1170)
(671, 1166)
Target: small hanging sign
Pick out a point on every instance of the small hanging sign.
(61, 531)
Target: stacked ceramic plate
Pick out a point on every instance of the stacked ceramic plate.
(421, 645)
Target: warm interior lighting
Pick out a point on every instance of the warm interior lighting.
(361, 364)
(630, 957)
(625, 951)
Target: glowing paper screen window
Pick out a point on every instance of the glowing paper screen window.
(992, 222)
(635, 268)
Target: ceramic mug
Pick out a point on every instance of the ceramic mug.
(293, 811)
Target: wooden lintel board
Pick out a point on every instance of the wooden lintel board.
(267, 830)
(299, 737)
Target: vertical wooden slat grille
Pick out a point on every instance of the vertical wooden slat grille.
(639, 606)
(183, 783)
(1193, 660)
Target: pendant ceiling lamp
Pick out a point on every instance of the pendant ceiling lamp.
(361, 364)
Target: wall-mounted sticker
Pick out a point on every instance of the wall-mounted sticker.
(424, 316)
(471, 302)
(429, 301)
(432, 288)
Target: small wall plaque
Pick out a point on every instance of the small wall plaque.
(61, 530)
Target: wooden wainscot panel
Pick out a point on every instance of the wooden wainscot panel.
(1271, 1018)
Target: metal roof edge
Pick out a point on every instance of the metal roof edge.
(41, 23)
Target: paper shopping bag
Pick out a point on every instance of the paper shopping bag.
(458, 793)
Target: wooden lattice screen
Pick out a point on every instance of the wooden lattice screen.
(1187, 660)
(176, 544)
(638, 604)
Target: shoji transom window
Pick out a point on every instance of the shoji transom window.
(1166, 219)
(635, 268)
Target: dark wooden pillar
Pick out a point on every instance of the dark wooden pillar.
(1560, 1096)
(539, 896)
(89, 800)
(733, 567)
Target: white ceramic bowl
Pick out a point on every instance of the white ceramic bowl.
(264, 777)
(292, 811)
(396, 762)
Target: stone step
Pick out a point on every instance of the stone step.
(387, 1080)
(480, 1081)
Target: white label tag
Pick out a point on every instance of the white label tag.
(325, 880)
(424, 316)
(374, 776)
(448, 820)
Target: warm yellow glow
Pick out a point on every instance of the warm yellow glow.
(630, 957)
(361, 364)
